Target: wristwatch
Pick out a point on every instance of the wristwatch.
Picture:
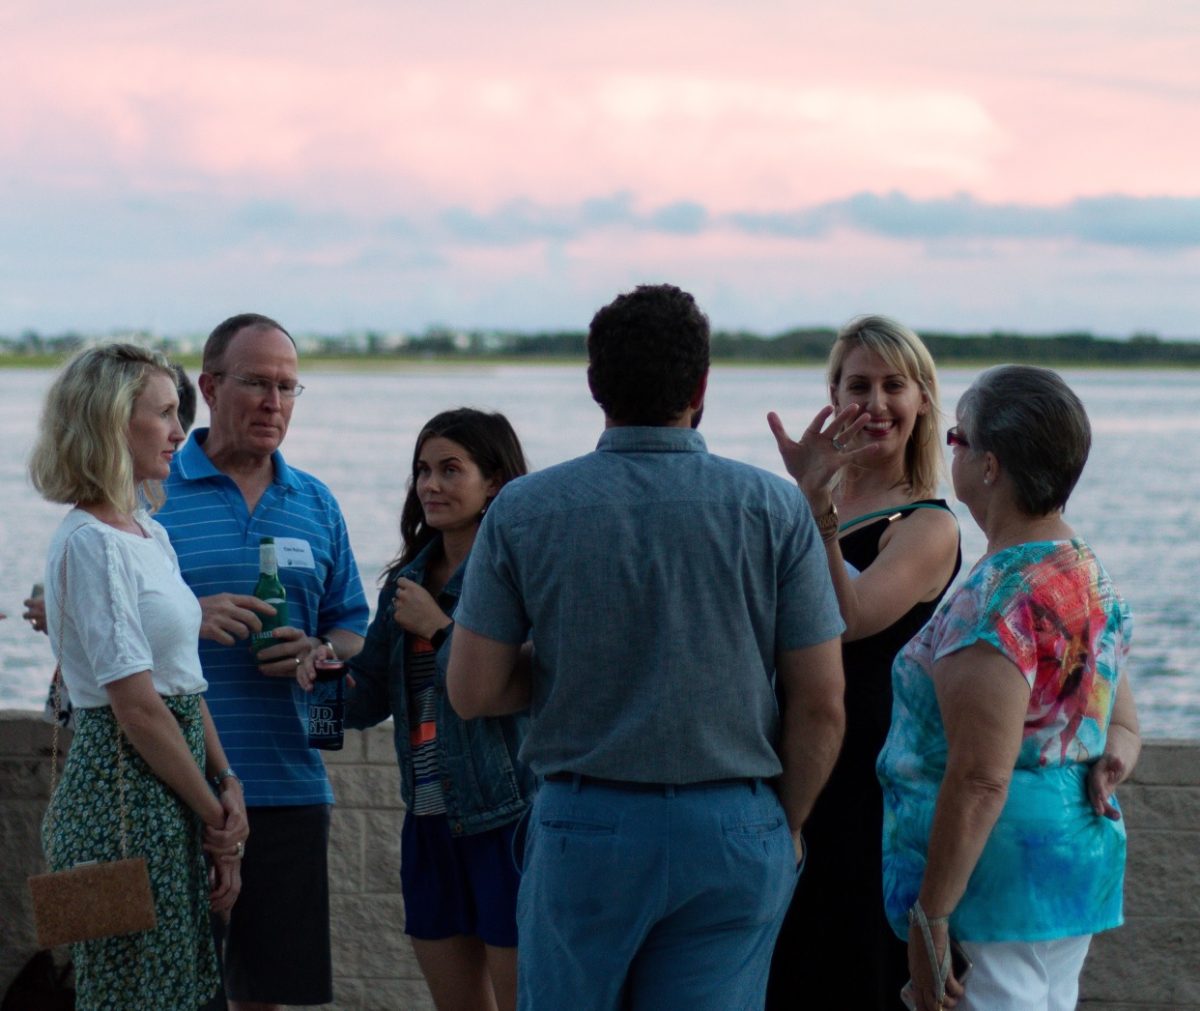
(224, 774)
(439, 636)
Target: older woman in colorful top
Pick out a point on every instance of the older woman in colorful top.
(1012, 725)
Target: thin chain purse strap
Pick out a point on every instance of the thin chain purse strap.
(58, 685)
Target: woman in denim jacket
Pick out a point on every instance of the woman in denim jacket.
(460, 780)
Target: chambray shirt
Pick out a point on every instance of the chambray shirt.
(659, 582)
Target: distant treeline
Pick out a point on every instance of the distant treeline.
(803, 344)
(811, 344)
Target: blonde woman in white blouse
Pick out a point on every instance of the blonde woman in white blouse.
(125, 628)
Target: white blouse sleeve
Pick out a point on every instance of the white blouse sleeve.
(102, 605)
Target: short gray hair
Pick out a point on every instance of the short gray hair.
(224, 332)
(1037, 428)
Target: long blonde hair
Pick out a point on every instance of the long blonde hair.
(904, 351)
(82, 450)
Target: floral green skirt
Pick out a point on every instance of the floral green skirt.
(174, 965)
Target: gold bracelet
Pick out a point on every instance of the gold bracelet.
(827, 524)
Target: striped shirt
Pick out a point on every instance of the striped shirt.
(420, 671)
(262, 721)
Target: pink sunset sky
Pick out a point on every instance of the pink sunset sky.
(390, 165)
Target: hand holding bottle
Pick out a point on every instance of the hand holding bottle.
(291, 653)
(229, 617)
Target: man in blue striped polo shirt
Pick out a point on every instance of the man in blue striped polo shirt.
(230, 487)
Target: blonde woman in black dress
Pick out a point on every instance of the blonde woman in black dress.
(869, 465)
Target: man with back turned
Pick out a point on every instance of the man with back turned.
(230, 487)
(665, 590)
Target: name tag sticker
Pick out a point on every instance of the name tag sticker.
(294, 553)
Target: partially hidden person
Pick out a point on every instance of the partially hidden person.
(146, 759)
(665, 590)
(869, 466)
(1013, 723)
(463, 787)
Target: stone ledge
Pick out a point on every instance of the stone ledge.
(1149, 960)
(352, 751)
(1160, 808)
(1168, 762)
(1150, 964)
(1109, 1005)
(380, 743)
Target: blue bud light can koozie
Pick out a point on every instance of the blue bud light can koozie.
(326, 705)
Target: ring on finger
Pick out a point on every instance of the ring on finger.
(297, 661)
(240, 850)
(839, 446)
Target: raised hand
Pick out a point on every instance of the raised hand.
(822, 451)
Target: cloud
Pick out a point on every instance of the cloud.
(1128, 221)
(682, 218)
(1117, 220)
(1148, 222)
(137, 231)
(183, 259)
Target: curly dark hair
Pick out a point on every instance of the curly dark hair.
(648, 352)
(491, 444)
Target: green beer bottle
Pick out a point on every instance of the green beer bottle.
(270, 589)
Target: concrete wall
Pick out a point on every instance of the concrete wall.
(1153, 962)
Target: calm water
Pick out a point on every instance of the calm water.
(1138, 502)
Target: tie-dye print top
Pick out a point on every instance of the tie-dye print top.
(1051, 867)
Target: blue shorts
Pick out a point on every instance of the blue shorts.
(458, 885)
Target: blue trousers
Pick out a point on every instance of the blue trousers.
(646, 900)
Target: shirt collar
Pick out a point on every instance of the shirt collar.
(651, 439)
(194, 465)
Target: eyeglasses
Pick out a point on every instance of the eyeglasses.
(954, 437)
(263, 387)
